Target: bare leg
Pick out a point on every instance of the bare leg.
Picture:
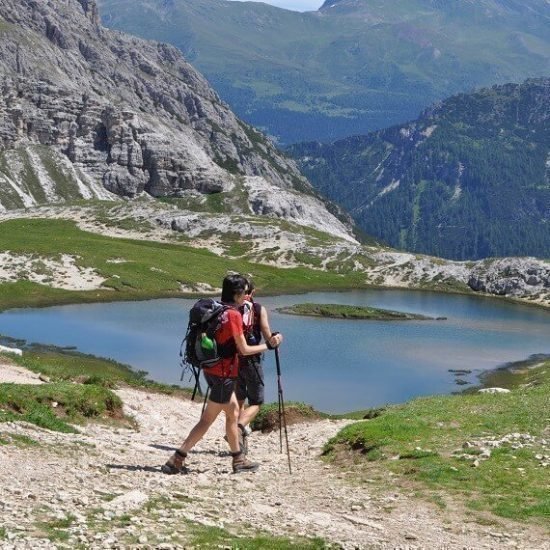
(246, 416)
(231, 410)
(210, 414)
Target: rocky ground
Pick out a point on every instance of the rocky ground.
(102, 488)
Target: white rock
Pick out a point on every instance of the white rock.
(494, 390)
(128, 501)
(14, 351)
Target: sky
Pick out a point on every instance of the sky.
(296, 5)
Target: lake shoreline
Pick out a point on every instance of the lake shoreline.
(513, 373)
(104, 296)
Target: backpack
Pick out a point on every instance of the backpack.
(199, 349)
(251, 312)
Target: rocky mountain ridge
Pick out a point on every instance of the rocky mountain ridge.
(91, 113)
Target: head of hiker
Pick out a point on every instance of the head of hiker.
(234, 289)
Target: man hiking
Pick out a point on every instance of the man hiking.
(250, 382)
(221, 379)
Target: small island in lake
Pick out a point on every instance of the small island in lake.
(338, 311)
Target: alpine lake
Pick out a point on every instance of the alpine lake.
(336, 365)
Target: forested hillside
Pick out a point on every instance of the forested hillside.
(351, 67)
(470, 178)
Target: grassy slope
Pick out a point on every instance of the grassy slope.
(79, 384)
(138, 277)
(53, 405)
(418, 442)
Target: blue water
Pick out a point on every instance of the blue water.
(336, 365)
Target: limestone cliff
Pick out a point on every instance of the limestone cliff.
(87, 112)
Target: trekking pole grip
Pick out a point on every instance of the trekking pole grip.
(269, 346)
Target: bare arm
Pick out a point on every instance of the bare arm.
(264, 324)
(244, 349)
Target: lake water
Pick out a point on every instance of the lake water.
(335, 365)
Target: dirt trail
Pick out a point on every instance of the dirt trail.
(108, 482)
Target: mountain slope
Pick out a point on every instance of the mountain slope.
(351, 67)
(470, 178)
(92, 113)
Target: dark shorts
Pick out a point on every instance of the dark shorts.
(250, 383)
(220, 388)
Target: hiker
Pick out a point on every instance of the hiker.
(250, 382)
(221, 378)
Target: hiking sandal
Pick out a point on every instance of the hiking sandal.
(171, 467)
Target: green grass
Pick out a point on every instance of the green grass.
(76, 403)
(421, 442)
(55, 529)
(60, 365)
(339, 311)
(2, 533)
(135, 279)
(89, 399)
(18, 440)
(214, 537)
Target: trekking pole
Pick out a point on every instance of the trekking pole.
(282, 414)
(205, 399)
(197, 375)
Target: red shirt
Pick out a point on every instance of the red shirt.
(231, 327)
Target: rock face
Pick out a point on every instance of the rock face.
(86, 112)
(511, 277)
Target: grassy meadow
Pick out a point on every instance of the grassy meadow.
(138, 269)
(488, 451)
(339, 311)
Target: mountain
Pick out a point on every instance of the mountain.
(351, 67)
(470, 178)
(189, 189)
(86, 112)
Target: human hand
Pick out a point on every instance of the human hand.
(275, 340)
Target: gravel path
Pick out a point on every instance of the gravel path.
(103, 486)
